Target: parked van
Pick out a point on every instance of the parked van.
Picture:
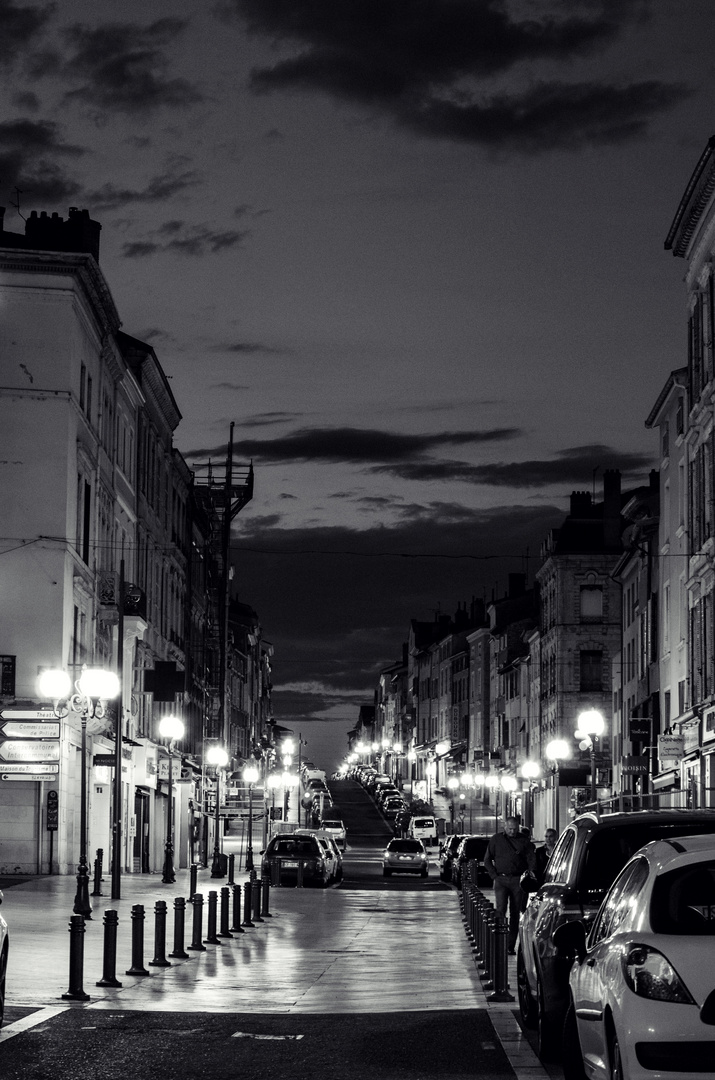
(423, 828)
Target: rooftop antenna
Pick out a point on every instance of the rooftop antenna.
(16, 204)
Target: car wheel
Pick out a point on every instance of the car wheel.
(546, 1039)
(423, 873)
(527, 1007)
(616, 1062)
(3, 972)
(572, 1056)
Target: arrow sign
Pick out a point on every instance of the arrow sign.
(20, 750)
(31, 731)
(27, 714)
(26, 776)
(25, 769)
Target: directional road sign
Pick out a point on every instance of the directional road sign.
(27, 714)
(24, 750)
(18, 729)
(26, 768)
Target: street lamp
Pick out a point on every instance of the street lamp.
(492, 782)
(452, 784)
(508, 785)
(94, 688)
(217, 757)
(289, 780)
(557, 750)
(250, 775)
(590, 725)
(531, 771)
(273, 781)
(171, 728)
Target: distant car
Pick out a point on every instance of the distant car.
(334, 827)
(642, 1001)
(405, 857)
(4, 946)
(288, 851)
(471, 849)
(331, 854)
(385, 791)
(589, 854)
(392, 808)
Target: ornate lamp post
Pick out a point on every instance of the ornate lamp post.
(556, 751)
(530, 770)
(94, 688)
(590, 726)
(250, 775)
(217, 757)
(492, 782)
(508, 786)
(273, 781)
(171, 728)
(452, 784)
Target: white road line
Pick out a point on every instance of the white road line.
(250, 1035)
(31, 1021)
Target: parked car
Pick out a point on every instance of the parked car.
(385, 791)
(405, 857)
(331, 854)
(288, 850)
(642, 999)
(588, 855)
(447, 851)
(334, 827)
(471, 848)
(4, 946)
(392, 808)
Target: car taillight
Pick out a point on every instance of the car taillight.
(649, 974)
(319, 864)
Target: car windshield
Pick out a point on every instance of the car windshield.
(294, 847)
(411, 846)
(683, 901)
(610, 849)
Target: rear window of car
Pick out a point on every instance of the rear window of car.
(475, 847)
(332, 824)
(411, 846)
(294, 848)
(683, 901)
(423, 823)
(609, 849)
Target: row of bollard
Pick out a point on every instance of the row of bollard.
(223, 921)
(488, 933)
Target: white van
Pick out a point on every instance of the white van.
(424, 828)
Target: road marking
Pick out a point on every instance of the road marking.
(31, 1021)
(250, 1035)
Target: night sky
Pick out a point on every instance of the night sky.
(413, 248)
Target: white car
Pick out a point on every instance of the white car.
(642, 987)
(334, 827)
(4, 945)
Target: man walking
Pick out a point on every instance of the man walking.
(508, 855)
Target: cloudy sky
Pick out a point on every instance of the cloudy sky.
(413, 248)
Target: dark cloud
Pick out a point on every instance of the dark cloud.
(268, 419)
(159, 188)
(191, 240)
(357, 445)
(20, 26)
(229, 386)
(576, 465)
(27, 152)
(27, 101)
(429, 65)
(123, 66)
(247, 347)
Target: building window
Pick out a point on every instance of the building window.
(680, 417)
(591, 670)
(665, 440)
(591, 603)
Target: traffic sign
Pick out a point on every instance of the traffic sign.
(28, 767)
(21, 750)
(27, 714)
(31, 731)
(26, 776)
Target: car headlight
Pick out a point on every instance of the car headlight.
(649, 974)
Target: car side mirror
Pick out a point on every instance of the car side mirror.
(570, 939)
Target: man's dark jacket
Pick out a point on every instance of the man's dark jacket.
(509, 856)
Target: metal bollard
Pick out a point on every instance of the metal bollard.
(247, 904)
(236, 927)
(487, 978)
(97, 885)
(265, 896)
(109, 970)
(196, 943)
(256, 901)
(75, 991)
(193, 879)
(299, 875)
(211, 935)
(224, 931)
(179, 953)
(501, 962)
(231, 868)
(160, 936)
(276, 872)
(137, 967)
(484, 911)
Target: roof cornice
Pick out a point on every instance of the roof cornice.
(696, 197)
